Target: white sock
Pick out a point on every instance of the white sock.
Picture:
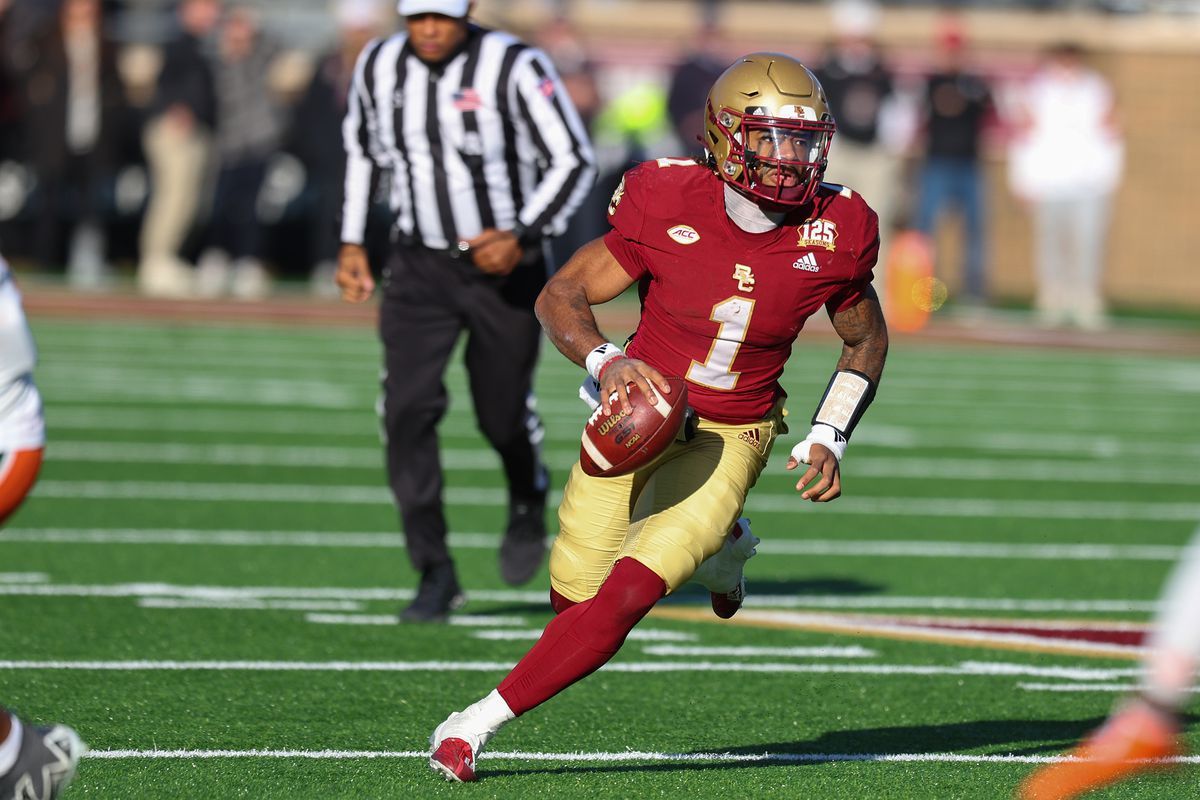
(10, 748)
(491, 712)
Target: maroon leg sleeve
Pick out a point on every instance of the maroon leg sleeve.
(583, 637)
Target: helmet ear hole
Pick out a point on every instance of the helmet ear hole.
(712, 138)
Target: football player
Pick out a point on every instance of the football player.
(1143, 729)
(22, 432)
(34, 761)
(732, 253)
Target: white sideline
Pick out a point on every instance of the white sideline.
(625, 755)
(971, 668)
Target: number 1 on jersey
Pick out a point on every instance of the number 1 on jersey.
(733, 315)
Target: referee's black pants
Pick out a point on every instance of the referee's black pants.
(429, 299)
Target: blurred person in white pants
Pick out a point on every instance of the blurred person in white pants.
(1065, 163)
(178, 142)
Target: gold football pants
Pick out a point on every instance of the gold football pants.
(670, 515)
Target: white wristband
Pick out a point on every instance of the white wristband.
(596, 359)
(823, 435)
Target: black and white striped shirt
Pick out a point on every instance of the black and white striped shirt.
(488, 140)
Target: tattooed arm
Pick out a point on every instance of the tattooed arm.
(864, 336)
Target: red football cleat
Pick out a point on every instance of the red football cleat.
(727, 604)
(1135, 740)
(454, 760)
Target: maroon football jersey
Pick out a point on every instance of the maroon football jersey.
(721, 307)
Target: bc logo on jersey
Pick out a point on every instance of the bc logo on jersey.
(818, 233)
(744, 277)
(684, 234)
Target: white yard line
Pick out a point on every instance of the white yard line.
(966, 668)
(356, 370)
(636, 635)
(948, 603)
(459, 459)
(462, 620)
(1088, 687)
(892, 548)
(216, 388)
(23, 577)
(868, 548)
(780, 652)
(1083, 428)
(798, 601)
(761, 501)
(610, 757)
(250, 604)
(1078, 687)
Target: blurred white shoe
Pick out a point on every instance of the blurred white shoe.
(250, 279)
(212, 274)
(86, 268)
(320, 283)
(165, 276)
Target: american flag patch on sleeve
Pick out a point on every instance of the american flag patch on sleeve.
(467, 99)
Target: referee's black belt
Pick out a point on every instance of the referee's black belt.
(403, 241)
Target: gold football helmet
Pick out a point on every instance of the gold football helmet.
(768, 128)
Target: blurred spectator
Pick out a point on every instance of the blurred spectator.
(858, 86)
(248, 133)
(10, 90)
(690, 82)
(315, 135)
(73, 101)
(177, 141)
(956, 106)
(1065, 164)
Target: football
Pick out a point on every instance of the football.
(621, 442)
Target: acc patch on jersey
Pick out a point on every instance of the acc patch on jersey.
(684, 234)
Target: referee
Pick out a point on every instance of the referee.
(487, 158)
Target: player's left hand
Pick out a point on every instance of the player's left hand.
(495, 252)
(822, 462)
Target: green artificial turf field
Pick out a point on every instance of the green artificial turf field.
(206, 579)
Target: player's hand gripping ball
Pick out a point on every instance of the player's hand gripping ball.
(620, 442)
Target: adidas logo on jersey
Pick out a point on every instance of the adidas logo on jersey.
(806, 262)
